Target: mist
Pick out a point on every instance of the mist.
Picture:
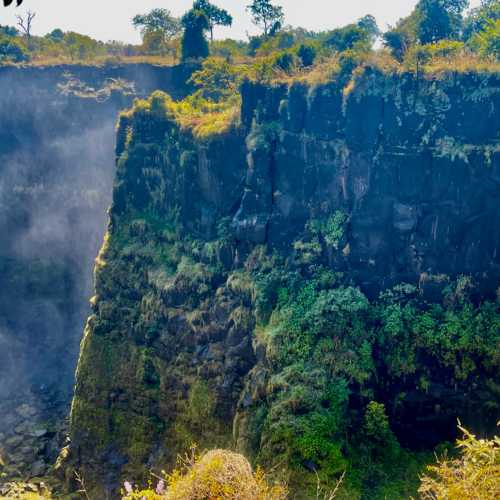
(56, 175)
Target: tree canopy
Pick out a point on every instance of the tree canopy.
(194, 42)
(158, 20)
(267, 16)
(215, 15)
(439, 19)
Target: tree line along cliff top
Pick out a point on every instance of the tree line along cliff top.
(438, 34)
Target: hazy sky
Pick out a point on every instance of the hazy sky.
(110, 19)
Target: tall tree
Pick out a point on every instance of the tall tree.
(403, 35)
(369, 24)
(267, 16)
(215, 15)
(194, 42)
(157, 21)
(439, 19)
(25, 23)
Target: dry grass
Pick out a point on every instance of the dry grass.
(209, 121)
(466, 63)
(224, 475)
(215, 475)
(204, 118)
(98, 61)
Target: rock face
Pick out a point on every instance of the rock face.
(416, 173)
(390, 181)
(57, 134)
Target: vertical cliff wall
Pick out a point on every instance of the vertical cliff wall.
(57, 135)
(260, 287)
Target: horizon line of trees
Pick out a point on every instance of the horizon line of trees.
(432, 23)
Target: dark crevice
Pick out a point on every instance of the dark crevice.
(272, 181)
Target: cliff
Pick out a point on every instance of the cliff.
(315, 286)
(57, 135)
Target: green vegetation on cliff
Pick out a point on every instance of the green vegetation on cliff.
(212, 323)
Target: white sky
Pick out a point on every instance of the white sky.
(110, 19)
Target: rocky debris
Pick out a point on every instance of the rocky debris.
(35, 431)
(19, 490)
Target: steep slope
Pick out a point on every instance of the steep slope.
(284, 285)
(57, 135)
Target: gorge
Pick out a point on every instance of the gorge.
(314, 284)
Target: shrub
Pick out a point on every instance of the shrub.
(443, 49)
(217, 474)
(475, 474)
(285, 61)
(307, 54)
(378, 437)
(217, 79)
(349, 37)
(12, 50)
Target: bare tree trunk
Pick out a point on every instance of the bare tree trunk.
(25, 23)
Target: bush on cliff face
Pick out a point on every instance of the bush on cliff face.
(330, 350)
(217, 474)
(202, 116)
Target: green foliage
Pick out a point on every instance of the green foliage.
(401, 37)
(369, 25)
(56, 35)
(307, 54)
(200, 404)
(194, 43)
(266, 15)
(487, 42)
(11, 50)
(378, 438)
(328, 346)
(159, 21)
(351, 36)
(439, 19)
(228, 49)
(217, 79)
(204, 117)
(480, 17)
(8, 31)
(286, 61)
(215, 15)
(332, 229)
(80, 46)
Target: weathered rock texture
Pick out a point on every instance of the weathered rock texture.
(410, 168)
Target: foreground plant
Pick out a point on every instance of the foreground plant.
(219, 474)
(475, 475)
